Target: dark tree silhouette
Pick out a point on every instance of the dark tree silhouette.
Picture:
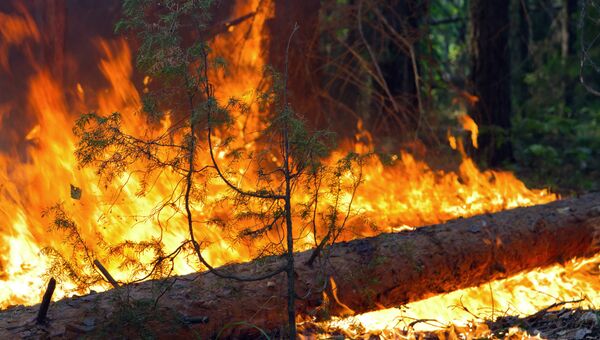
(490, 77)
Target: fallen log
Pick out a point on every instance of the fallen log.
(387, 270)
(393, 269)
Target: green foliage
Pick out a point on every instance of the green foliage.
(556, 132)
(558, 150)
(76, 267)
(447, 63)
(160, 27)
(286, 156)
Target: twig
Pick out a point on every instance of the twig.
(554, 305)
(426, 321)
(223, 26)
(584, 51)
(41, 317)
(106, 274)
(413, 59)
(374, 59)
(462, 307)
(493, 302)
(317, 251)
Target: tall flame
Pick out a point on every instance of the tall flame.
(408, 193)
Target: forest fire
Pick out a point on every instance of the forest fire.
(41, 185)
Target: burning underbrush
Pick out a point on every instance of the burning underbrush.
(129, 310)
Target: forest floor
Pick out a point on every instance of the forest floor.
(104, 316)
(550, 323)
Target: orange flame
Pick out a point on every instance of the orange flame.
(469, 125)
(15, 30)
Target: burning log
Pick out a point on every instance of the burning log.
(394, 269)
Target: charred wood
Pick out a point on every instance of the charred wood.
(41, 317)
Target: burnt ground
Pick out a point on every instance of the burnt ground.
(94, 317)
(563, 323)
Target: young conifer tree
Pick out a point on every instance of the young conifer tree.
(174, 51)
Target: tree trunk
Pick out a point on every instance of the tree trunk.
(397, 65)
(490, 78)
(570, 50)
(53, 27)
(521, 37)
(387, 270)
(303, 62)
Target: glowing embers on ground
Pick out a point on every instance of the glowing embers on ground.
(521, 295)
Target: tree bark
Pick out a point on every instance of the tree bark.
(387, 270)
(490, 77)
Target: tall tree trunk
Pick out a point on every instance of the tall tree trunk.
(521, 57)
(404, 19)
(570, 49)
(53, 27)
(346, 101)
(490, 78)
(398, 69)
(302, 62)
